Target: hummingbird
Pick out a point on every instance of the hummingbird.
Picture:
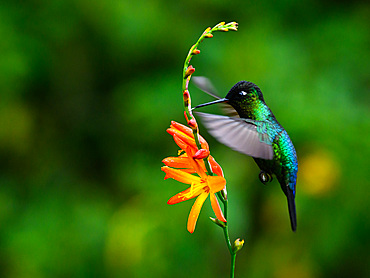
(252, 129)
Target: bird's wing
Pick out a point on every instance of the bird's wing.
(265, 129)
(241, 135)
(204, 84)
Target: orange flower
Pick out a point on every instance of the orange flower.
(200, 186)
(183, 137)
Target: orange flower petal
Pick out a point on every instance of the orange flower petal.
(189, 132)
(183, 196)
(181, 143)
(216, 183)
(203, 143)
(195, 164)
(177, 162)
(180, 176)
(190, 171)
(195, 210)
(216, 168)
(216, 208)
(186, 139)
(172, 130)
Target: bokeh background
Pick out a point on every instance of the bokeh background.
(87, 90)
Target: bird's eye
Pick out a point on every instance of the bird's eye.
(242, 93)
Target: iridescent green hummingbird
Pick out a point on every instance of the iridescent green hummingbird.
(254, 131)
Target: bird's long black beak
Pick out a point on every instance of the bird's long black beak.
(221, 100)
(292, 210)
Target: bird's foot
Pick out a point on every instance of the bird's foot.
(265, 177)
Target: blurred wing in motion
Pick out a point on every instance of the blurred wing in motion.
(239, 134)
(204, 84)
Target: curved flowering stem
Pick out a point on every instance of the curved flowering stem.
(188, 70)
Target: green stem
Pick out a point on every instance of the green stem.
(227, 237)
(232, 271)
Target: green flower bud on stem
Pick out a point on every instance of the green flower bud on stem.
(224, 193)
(218, 222)
(238, 244)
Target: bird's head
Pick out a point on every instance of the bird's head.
(241, 94)
(244, 93)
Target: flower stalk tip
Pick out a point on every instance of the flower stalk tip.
(207, 30)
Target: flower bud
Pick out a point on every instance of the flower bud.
(224, 193)
(238, 244)
(232, 26)
(207, 30)
(218, 222)
(189, 71)
(186, 95)
(195, 51)
(201, 154)
(209, 35)
(193, 124)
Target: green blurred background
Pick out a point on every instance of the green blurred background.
(87, 90)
